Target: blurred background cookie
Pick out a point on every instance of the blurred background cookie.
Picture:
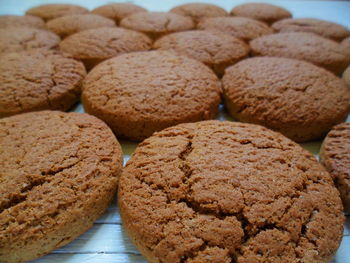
(21, 21)
(51, 11)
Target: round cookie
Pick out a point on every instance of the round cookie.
(117, 11)
(310, 47)
(14, 39)
(59, 172)
(218, 191)
(296, 98)
(346, 44)
(68, 25)
(261, 11)
(51, 11)
(37, 80)
(142, 92)
(214, 49)
(157, 24)
(335, 156)
(240, 27)
(346, 76)
(199, 11)
(320, 27)
(95, 45)
(21, 21)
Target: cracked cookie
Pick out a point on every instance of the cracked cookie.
(21, 21)
(37, 80)
(310, 47)
(51, 11)
(214, 49)
(157, 24)
(139, 93)
(218, 191)
(93, 46)
(59, 172)
(294, 97)
(335, 156)
(14, 39)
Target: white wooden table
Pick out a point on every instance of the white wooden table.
(106, 241)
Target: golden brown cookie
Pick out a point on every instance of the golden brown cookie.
(51, 11)
(214, 49)
(21, 21)
(199, 11)
(346, 76)
(139, 93)
(95, 45)
(225, 192)
(157, 24)
(37, 80)
(296, 98)
(14, 39)
(59, 171)
(68, 25)
(320, 27)
(346, 44)
(240, 27)
(117, 11)
(261, 11)
(310, 47)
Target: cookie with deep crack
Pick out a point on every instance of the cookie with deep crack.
(228, 192)
(59, 172)
(51, 11)
(291, 96)
(139, 93)
(37, 80)
(21, 21)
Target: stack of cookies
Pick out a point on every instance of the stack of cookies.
(195, 189)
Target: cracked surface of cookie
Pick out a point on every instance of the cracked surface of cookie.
(21, 21)
(294, 97)
(157, 24)
(58, 173)
(37, 80)
(214, 49)
(228, 192)
(310, 47)
(335, 156)
(142, 92)
(51, 11)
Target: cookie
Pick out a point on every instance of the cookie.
(68, 25)
(95, 45)
(21, 21)
(310, 47)
(261, 11)
(320, 27)
(14, 39)
(218, 191)
(346, 44)
(346, 75)
(142, 92)
(214, 49)
(51, 11)
(199, 11)
(240, 27)
(117, 11)
(294, 97)
(59, 172)
(157, 24)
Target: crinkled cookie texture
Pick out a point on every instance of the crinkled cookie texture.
(199, 11)
(95, 45)
(310, 47)
(261, 11)
(157, 24)
(214, 49)
(320, 27)
(37, 80)
(296, 98)
(240, 27)
(59, 171)
(346, 75)
(139, 93)
(217, 191)
(117, 11)
(14, 39)
(335, 156)
(68, 25)
(51, 11)
(21, 21)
